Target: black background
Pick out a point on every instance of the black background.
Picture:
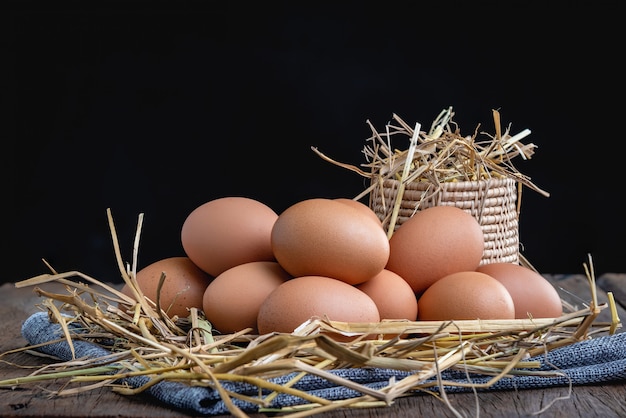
(158, 107)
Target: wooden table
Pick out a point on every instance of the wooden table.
(608, 400)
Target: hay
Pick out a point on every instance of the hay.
(149, 343)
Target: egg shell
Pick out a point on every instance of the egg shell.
(466, 295)
(228, 231)
(232, 301)
(433, 243)
(182, 289)
(323, 237)
(302, 298)
(534, 296)
(392, 294)
(366, 210)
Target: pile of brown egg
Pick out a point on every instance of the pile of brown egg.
(248, 267)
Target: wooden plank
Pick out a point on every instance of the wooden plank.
(615, 283)
(576, 290)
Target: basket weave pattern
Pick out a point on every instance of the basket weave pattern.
(492, 202)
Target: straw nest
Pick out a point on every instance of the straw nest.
(148, 342)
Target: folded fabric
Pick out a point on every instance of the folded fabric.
(598, 360)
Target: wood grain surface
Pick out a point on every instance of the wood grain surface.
(16, 304)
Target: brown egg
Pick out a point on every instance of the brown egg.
(231, 302)
(228, 231)
(533, 295)
(323, 237)
(299, 299)
(433, 243)
(182, 289)
(466, 295)
(392, 294)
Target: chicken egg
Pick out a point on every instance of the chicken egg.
(324, 237)
(392, 294)
(433, 243)
(302, 298)
(466, 295)
(231, 302)
(183, 287)
(534, 296)
(228, 231)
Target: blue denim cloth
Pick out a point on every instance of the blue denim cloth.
(601, 359)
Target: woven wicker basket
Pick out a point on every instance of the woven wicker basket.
(493, 202)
